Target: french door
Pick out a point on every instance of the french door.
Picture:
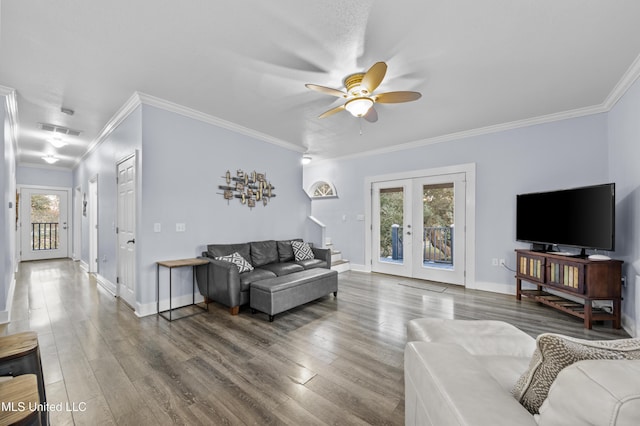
(44, 222)
(418, 227)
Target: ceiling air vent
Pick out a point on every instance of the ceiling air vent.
(59, 129)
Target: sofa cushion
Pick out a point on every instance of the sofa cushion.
(283, 268)
(478, 337)
(235, 258)
(263, 252)
(312, 263)
(555, 352)
(285, 251)
(609, 394)
(301, 251)
(216, 250)
(257, 274)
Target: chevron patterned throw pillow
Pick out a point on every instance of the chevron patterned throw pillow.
(237, 259)
(301, 251)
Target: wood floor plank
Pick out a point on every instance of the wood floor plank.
(331, 361)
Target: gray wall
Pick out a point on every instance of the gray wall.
(181, 162)
(123, 141)
(39, 176)
(550, 156)
(624, 169)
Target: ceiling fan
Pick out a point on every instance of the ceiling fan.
(359, 94)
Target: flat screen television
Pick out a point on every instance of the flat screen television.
(579, 217)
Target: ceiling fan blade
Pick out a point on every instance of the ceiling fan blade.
(331, 111)
(327, 90)
(397, 97)
(374, 76)
(371, 116)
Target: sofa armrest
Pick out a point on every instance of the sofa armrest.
(223, 281)
(323, 254)
(594, 392)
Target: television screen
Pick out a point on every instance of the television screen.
(580, 217)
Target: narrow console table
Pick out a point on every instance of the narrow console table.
(584, 279)
(171, 264)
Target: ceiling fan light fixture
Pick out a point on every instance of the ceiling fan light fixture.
(50, 159)
(306, 159)
(359, 106)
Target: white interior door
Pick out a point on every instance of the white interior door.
(45, 223)
(77, 224)
(93, 225)
(418, 227)
(126, 230)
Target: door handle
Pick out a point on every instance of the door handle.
(132, 241)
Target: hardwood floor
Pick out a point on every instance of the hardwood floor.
(333, 361)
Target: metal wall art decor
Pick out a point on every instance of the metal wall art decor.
(249, 188)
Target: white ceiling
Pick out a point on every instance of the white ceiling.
(478, 63)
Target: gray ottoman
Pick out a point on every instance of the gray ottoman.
(279, 294)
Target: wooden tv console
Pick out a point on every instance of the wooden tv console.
(585, 279)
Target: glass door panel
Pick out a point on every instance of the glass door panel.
(392, 227)
(439, 252)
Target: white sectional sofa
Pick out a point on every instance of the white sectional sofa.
(463, 373)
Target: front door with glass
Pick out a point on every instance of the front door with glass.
(44, 223)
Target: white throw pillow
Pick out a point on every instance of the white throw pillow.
(301, 251)
(237, 259)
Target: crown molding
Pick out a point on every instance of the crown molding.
(125, 110)
(139, 98)
(216, 121)
(575, 113)
(625, 82)
(629, 77)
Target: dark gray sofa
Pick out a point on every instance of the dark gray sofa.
(269, 258)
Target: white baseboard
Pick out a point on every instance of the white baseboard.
(84, 266)
(360, 268)
(106, 284)
(146, 309)
(5, 316)
(492, 287)
(629, 325)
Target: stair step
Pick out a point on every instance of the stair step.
(341, 265)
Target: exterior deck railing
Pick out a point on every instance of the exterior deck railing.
(44, 236)
(437, 244)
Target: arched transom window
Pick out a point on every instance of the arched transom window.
(322, 189)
